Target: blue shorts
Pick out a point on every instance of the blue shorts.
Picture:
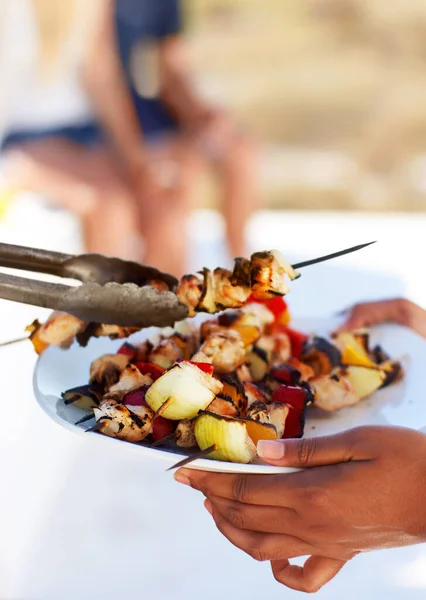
(153, 117)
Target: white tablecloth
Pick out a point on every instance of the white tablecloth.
(80, 520)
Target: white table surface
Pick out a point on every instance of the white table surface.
(78, 520)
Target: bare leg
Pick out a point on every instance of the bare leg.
(164, 218)
(86, 182)
(239, 170)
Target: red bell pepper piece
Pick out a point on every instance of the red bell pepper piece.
(205, 367)
(161, 428)
(297, 340)
(276, 305)
(147, 368)
(296, 399)
(128, 350)
(292, 396)
(285, 374)
(294, 424)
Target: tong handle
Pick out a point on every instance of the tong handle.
(32, 259)
(29, 291)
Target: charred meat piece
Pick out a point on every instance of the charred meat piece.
(226, 351)
(106, 370)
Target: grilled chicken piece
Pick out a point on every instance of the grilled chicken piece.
(258, 411)
(223, 405)
(130, 379)
(243, 374)
(268, 275)
(167, 353)
(130, 423)
(211, 326)
(60, 330)
(278, 413)
(189, 292)
(226, 294)
(332, 393)
(226, 351)
(106, 370)
(277, 348)
(253, 394)
(306, 373)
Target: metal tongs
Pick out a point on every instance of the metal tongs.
(112, 291)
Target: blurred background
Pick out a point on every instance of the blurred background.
(335, 89)
(330, 91)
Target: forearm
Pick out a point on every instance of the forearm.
(178, 90)
(107, 88)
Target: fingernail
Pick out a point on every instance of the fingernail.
(208, 506)
(182, 477)
(270, 449)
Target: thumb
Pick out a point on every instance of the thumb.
(313, 452)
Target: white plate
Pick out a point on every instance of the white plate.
(402, 404)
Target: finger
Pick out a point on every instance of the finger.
(358, 317)
(262, 546)
(247, 489)
(265, 519)
(316, 572)
(314, 452)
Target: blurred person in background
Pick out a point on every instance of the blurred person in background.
(100, 115)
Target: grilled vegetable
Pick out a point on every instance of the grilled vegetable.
(333, 393)
(136, 397)
(364, 380)
(235, 439)
(84, 396)
(296, 399)
(394, 372)
(207, 301)
(234, 389)
(189, 389)
(321, 356)
(257, 363)
(161, 428)
(297, 340)
(277, 306)
(184, 434)
(128, 350)
(354, 349)
(106, 370)
(306, 372)
(280, 374)
(152, 370)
